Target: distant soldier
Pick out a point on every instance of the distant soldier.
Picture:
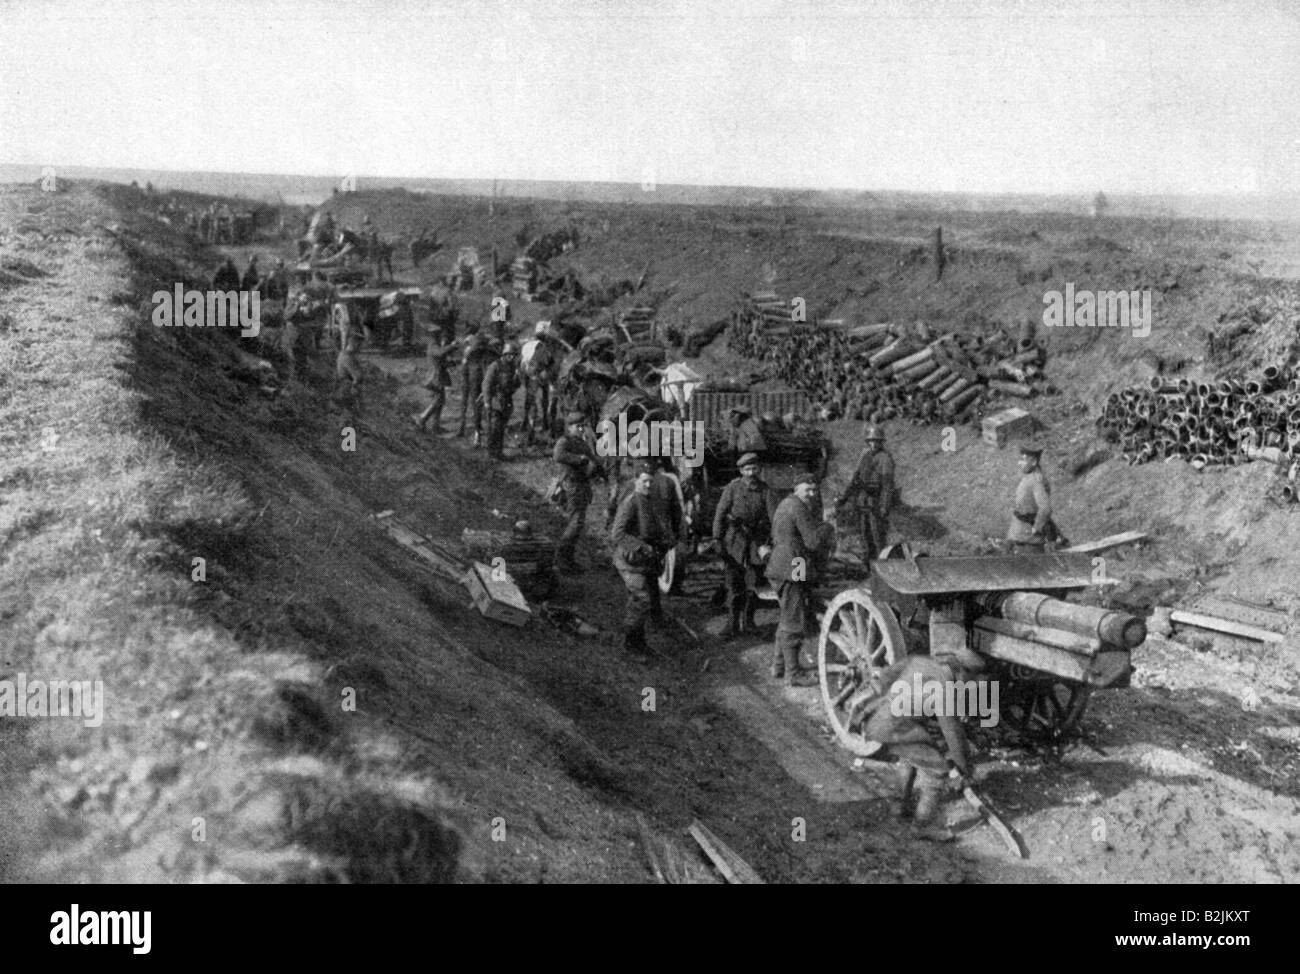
(479, 354)
(348, 367)
(275, 285)
(872, 487)
(249, 282)
(1032, 530)
(298, 340)
(796, 540)
(575, 455)
(437, 382)
(742, 526)
(642, 534)
(225, 225)
(500, 383)
(205, 226)
(227, 277)
(745, 435)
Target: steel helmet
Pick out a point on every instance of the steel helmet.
(542, 328)
(874, 432)
(509, 348)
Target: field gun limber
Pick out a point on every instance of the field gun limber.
(1048, 654)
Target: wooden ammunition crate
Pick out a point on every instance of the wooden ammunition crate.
(497, 599)
(1001, 428)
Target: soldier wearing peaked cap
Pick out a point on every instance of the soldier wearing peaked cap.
(575, 455)
(742, 527)
(1032, 530)
(642, 534)
(746, 436)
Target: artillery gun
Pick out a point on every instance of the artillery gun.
(1048, 655)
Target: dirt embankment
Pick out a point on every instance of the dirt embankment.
(230, 748)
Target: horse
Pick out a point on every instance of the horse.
(539, 366)
(424, 246)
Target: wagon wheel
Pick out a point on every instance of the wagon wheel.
(1045, 710)
(858, 638)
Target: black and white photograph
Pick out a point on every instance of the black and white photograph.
(651, 442)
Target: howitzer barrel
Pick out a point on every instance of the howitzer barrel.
(1036, 609)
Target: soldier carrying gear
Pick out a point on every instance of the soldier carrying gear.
(438, 381)
(1032, 530)
(873, 488)
(745, 437)
(500, 383)
(797, 540)
(742, 526)
(574, 453)
(642, 534)
(909, 734)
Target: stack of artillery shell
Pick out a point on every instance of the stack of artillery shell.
(1226, 422)
(885, 371)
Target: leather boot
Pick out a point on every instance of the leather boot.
(906, 776)
(926, 822)
(778, 665)
(733, 626)
(751, 605)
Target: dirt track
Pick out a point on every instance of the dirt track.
(463, 723)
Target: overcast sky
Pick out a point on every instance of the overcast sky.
(997, 96)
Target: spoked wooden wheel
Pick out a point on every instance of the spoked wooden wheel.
(858, 637)
(1045, 710)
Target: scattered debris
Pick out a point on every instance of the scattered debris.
(733, 868)
(1225, 626)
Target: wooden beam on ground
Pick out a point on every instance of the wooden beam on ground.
(1225, 626)
(436, 558)
(733, 868)
(1105, 544)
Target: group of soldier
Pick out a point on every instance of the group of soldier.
(272, 285)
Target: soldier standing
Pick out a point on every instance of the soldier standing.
(500, 383)
(227, 277)
(351, 336)
(575, 454)
(251, 276)
(642, 533)
(873, 481)
(437, 382)
(1032, 530)
(478, 355)
(742, 526)
(796, 538)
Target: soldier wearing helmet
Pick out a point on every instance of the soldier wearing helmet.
(500, 383)
(873, 490)
(479, 354)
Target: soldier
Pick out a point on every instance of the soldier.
(350, 338)
(796, 540)
(437, 381)
(909, 737)
(251, 276)
(742, 526)
(500, 383)
(575, 454)
(745, 436)
(873, 481)
(227, 277)
(225, 227)
(299, 336)
(205, 226)
(478, 355)
(275, 286)
(1032, 530)
(642, 533)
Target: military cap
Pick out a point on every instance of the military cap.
(748, 460)
(646, 466)
(804, 477)
(575, 417)
(1034, 450)
(522, 531)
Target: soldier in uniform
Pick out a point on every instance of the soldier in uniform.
(227, 277)
(251, 276)
(275, 286)
(796, 538)
(299, 336)
(873, 481)
(574, 453)
(742, 526)
(438, 381)
(500, 383)
(1032, 530)
(478, 355)
(642, 533)
(348, 365)
(914, 739)
(745, 435)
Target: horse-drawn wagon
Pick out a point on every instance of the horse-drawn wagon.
(1047, 654)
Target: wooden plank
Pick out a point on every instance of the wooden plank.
(732, 867)
(1247, 613)
(436, 558)
(1104, 544)
(1226, 626)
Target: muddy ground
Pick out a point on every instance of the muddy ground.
(479, 752)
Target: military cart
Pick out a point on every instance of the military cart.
(1048, 655)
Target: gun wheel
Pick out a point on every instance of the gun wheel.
(858, 638)
(1046, 711)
